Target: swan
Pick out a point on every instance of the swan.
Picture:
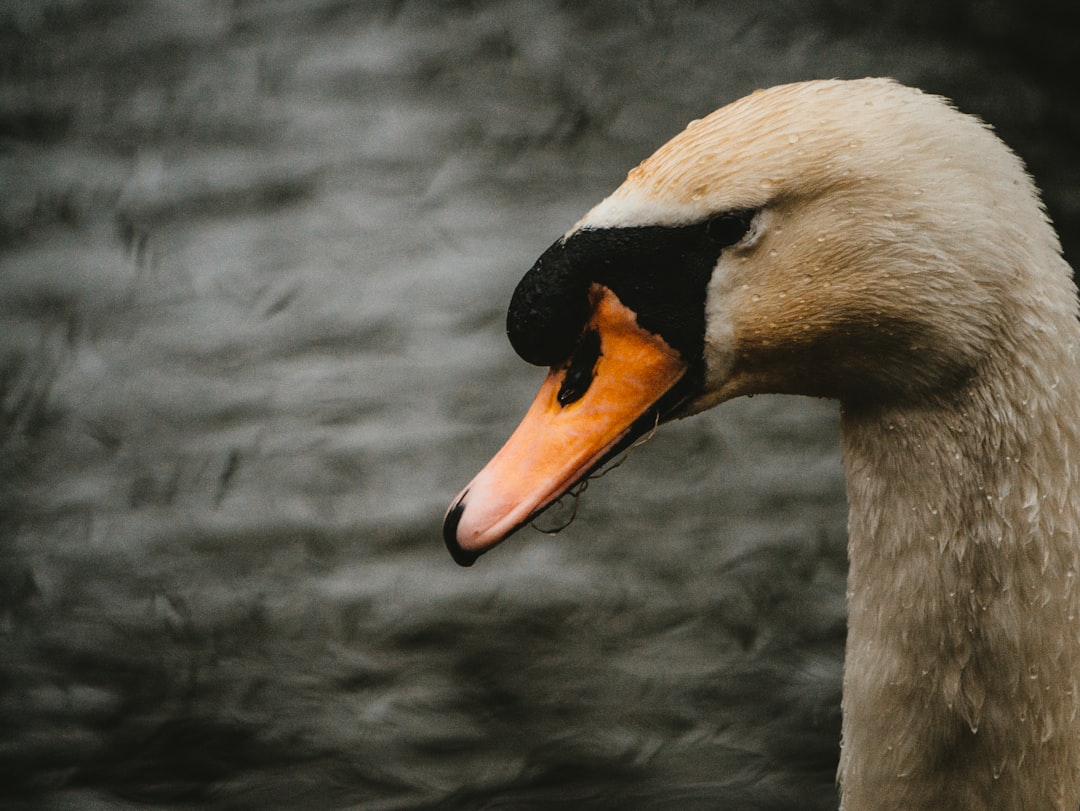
(863, 241)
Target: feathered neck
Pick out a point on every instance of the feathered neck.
(963, 655)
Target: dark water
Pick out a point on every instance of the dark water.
(255, 258)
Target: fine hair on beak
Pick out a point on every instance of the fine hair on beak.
(578, 490)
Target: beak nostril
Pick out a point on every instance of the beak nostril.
(579, 374)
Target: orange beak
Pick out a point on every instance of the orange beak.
(586, 411)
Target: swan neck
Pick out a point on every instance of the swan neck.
(963, 639)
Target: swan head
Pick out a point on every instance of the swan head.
(858, 240)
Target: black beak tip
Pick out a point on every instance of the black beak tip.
(450, 525)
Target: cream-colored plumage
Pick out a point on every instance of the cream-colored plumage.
(902, 263)
(867, 242)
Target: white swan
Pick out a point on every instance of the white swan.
(863, 241)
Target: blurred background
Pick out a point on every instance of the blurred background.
(254, 263)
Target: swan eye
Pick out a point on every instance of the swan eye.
(729, 228)
(579, 374)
